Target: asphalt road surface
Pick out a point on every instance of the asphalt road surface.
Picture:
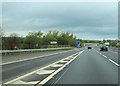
(27, 55)
(90, 67)
(13, 70)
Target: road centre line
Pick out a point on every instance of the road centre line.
(33, 58)
(9, 82)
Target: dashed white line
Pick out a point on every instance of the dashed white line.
(109, 59)
(114, 62)
(104, 56)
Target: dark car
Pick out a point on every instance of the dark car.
(89, 47)
(104, 48)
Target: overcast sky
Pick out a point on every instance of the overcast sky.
(86, 20)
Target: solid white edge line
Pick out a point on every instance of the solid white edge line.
(33, 58)
(60, 76)
(50, 76)
(114, 62)
(9, 82)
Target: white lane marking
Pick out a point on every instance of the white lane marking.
(22, 82)
(63, 61)
(33, 58)
(44, 72)
(9, 82)
(104, 56)
(110, 60)
(61, 76)
(57, 65)
(114, 62)
(101, 54)
(67, 58)
(50, 76)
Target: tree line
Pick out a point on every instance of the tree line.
(34, 40)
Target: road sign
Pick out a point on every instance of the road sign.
(78, 43)
(53, 42)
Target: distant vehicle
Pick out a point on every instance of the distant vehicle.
(104, 48)
(107, 44)
(89, 47)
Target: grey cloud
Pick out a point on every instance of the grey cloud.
(93, 18)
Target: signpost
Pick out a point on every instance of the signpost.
(78, 43)
(53, 42)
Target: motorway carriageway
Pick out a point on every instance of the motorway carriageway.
(16, 69)
(92, 67)
(88, 67)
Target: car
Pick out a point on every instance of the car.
(104, 48)
(89, 47)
